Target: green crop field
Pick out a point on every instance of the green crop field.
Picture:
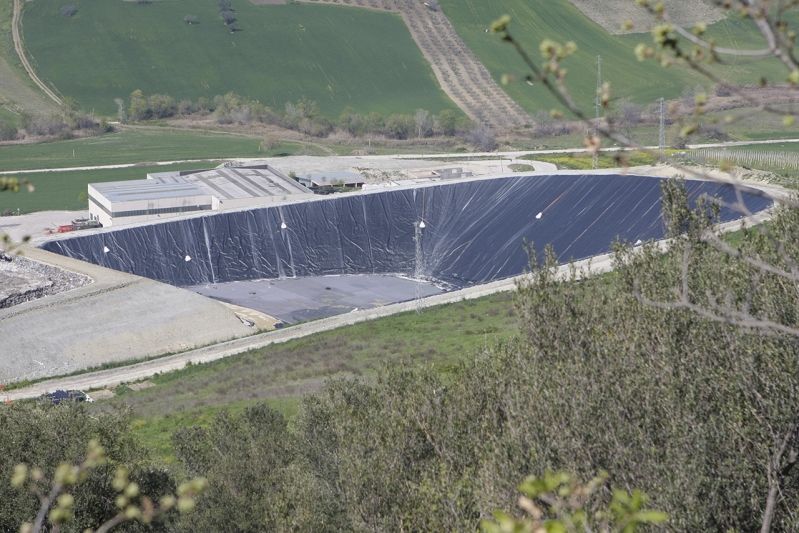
(338, 56)
(536, 20)
(770, 147)
(584, 160)
(134, 146)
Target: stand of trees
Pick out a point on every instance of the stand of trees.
(303, 116)
(65, 125)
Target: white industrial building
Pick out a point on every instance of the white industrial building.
(170, 194)
(127, 202)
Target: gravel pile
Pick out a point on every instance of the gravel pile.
(23, 279)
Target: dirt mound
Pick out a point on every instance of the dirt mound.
(611, 14)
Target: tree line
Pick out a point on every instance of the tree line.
(68, 123)
(304, 116)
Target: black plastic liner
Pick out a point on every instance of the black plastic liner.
(473, 231)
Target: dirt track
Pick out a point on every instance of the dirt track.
(21, 53)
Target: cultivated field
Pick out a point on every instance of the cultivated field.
(611, 14)
(137, 145)
(17, 92)
(459, 71)
(359, 58)
(536, 20)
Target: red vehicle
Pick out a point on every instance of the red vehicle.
(77, 224)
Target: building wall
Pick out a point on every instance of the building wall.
(117, 213)
(235, 203)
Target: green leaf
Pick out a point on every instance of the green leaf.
(651, 517)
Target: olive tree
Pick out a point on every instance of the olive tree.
(739, 303)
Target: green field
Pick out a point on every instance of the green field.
(135, 146)
(338, 56)
(771, 147)
(61, 190)
(282, 373)
(584, 160)
(536, 20)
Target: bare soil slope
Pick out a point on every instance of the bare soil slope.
(119, 317)
(611, 14)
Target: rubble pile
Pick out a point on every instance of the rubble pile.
(23, 279)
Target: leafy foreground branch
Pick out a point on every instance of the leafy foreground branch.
(109, 484)
(558, 503)
(719, 347)
(131, 503)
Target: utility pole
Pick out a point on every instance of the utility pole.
(598, 104)
(662, 140)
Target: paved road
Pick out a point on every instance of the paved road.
(21, 53)
(455, 157)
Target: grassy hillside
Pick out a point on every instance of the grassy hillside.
(17, 91)
(536, 20)
(337, 56)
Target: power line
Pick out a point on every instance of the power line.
(662, 140)
(597, 105)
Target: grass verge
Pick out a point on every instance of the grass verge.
(282, 373)
(584, 160)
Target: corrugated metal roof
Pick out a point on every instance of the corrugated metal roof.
(130, 191)
(242, 182)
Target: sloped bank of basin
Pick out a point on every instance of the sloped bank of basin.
(455, 234)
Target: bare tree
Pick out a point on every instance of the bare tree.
(424, 122)
(270, 142)
(481, 136)
(68, 11)
(630, 112)
(122, 114)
